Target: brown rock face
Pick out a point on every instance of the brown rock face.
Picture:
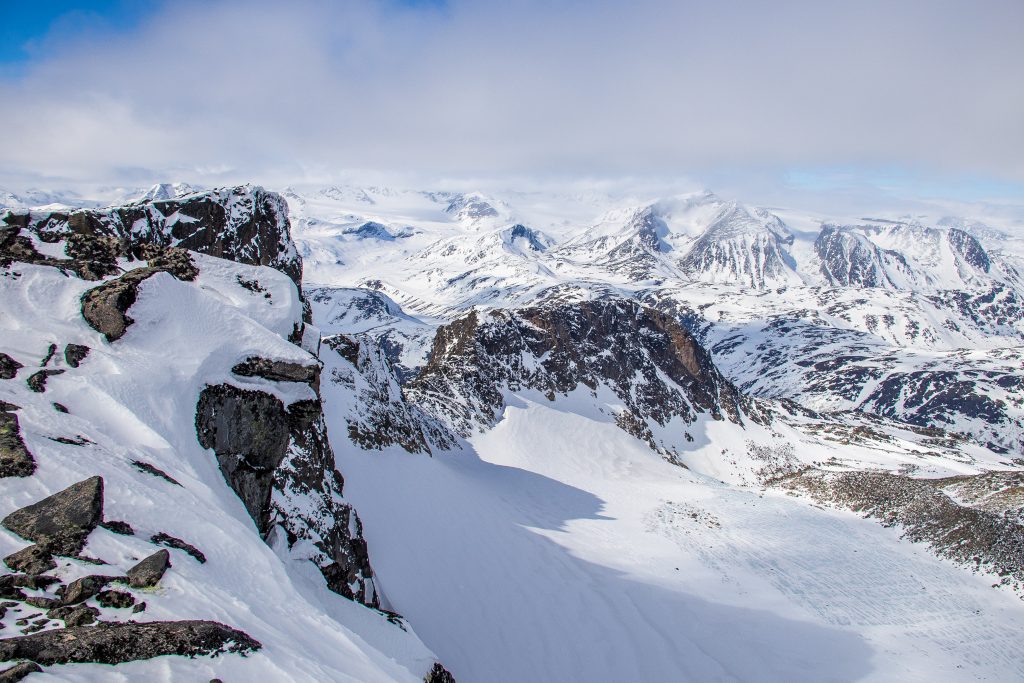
(15, 458)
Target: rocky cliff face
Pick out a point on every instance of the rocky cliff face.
(647, 359)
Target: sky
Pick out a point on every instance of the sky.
(791, 98)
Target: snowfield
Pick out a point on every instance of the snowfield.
(519, 529)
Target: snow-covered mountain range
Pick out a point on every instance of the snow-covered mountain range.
(395, 434)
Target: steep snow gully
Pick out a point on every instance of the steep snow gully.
(371, 434)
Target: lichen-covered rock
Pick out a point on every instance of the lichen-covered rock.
(74, 354)
(74, 615)
(15, 458)
(8, 366)
(105, 308)
(34, 559)
(61, 523)
(83, 588)
(19, 672)
(37, 381)
(114, 643)
(279, 371)
(115, 599)
(149, 571)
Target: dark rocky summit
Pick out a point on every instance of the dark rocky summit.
(114, 643)
(61, 522)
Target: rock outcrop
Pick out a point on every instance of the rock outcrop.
(8, 366)
(246, 224)
(115, 643)
(61, 523)
(653, 365)
(280, 463)
(15, 458)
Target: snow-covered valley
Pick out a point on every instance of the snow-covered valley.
(564, 437)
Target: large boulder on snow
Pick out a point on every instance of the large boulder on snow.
(15, 458)
(149, 571)
(61, 523)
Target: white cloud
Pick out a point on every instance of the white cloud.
(275, 90)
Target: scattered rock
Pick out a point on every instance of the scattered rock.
(172, 542)
(19, 671)
(37, 381)
(149, 571)
(15, 458)
(74, 615)
(115, 599)
(149, 469)
(279, 370)
(42, 602)
(34, 559)
(62, 522)
(33, 581)
(438, 674)
(74, 354)
(118, 527)
(114, 643)
(70, 441)
(141, 607)
(60, 407)
(85, 587)
(8, 366)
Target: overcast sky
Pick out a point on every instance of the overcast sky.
(723, 92)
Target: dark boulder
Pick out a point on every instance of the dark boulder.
(105, 307)
(173, 542)
(115, 599)
(114, 643)
(118, 527)
(74, 354)
(15, 458)
(61, 523)
(37, 381)
(35, 559)
(279, 371)
(8, 366)
(149, 571)
(83, 588)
